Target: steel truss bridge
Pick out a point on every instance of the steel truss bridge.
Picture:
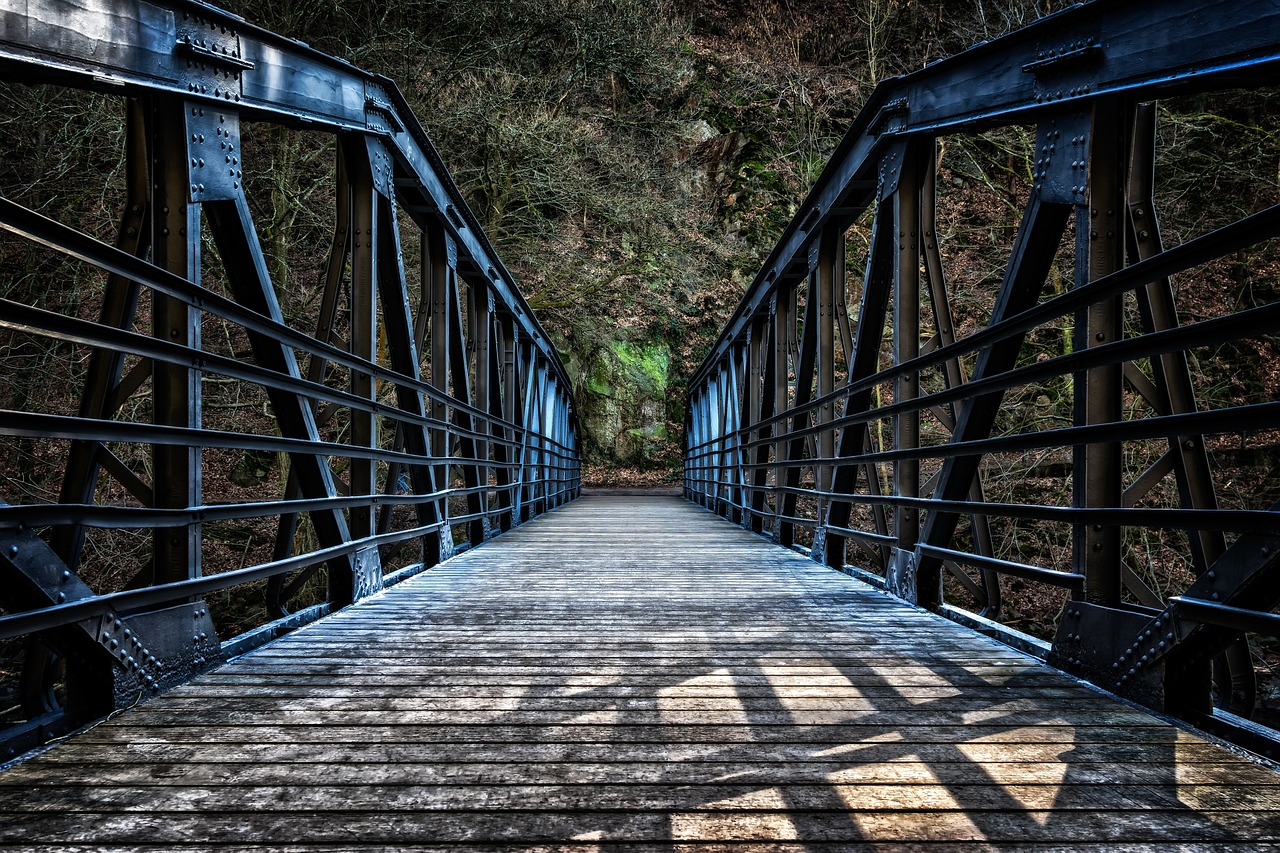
(632, 669)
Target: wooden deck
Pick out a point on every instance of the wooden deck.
(634, 670)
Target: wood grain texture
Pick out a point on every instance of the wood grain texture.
(631, 672)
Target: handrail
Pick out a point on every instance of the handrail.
(800, 429)
(439, 416)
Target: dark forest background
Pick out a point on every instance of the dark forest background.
(632, 161)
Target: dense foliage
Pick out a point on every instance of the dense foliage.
(633, 162)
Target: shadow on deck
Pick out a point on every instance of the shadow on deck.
(631, 669)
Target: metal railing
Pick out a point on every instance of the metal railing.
(901, 441)
(412, 410)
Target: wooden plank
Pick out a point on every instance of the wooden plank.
(636, 671)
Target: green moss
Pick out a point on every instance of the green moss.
(645, 363)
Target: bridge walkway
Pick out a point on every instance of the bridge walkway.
(638, 671)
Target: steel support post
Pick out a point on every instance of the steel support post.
(767, 360)
(750, 431)
(1175, 394)
(528, 419)
(906, 342)
(952, 372)
(481, 316)
(460, 386)
(1098, 466)
(827, 277)
(501, 378)
(800, 418)
(363, 332)
(439, 259)
(278, 594)
(784, 314)
(175, 389)
(1157, 311)
(402, 339)
(715, 432)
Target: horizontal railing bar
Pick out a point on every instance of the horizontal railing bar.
(68, 427)
(1226, 616)
(92, 54)
(1260, 321)
(54, 616)
(129, 517)
(1066, 580)
(27, 223)
(1227, 520)
(1213, 422)
(24, 318)
(877, 538)
(1188, 64)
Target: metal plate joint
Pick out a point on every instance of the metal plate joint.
(213, 153)
(1102, 645)
(382, 167)
(1061, 168)
(900, 577)
(368, 569)
(209, 59)
(1066, 69)
(380, 114)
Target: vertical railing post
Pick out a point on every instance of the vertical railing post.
(176, 389)
(827, 277)
(748, 431)
(906, 346)
(439, 256)
(1100, 251)
(785, 311)
(363, 335)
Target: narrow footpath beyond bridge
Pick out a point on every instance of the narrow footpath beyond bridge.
(635, 670)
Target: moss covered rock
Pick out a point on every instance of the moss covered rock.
(624, 404)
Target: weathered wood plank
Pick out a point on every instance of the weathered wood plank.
(638, 673)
